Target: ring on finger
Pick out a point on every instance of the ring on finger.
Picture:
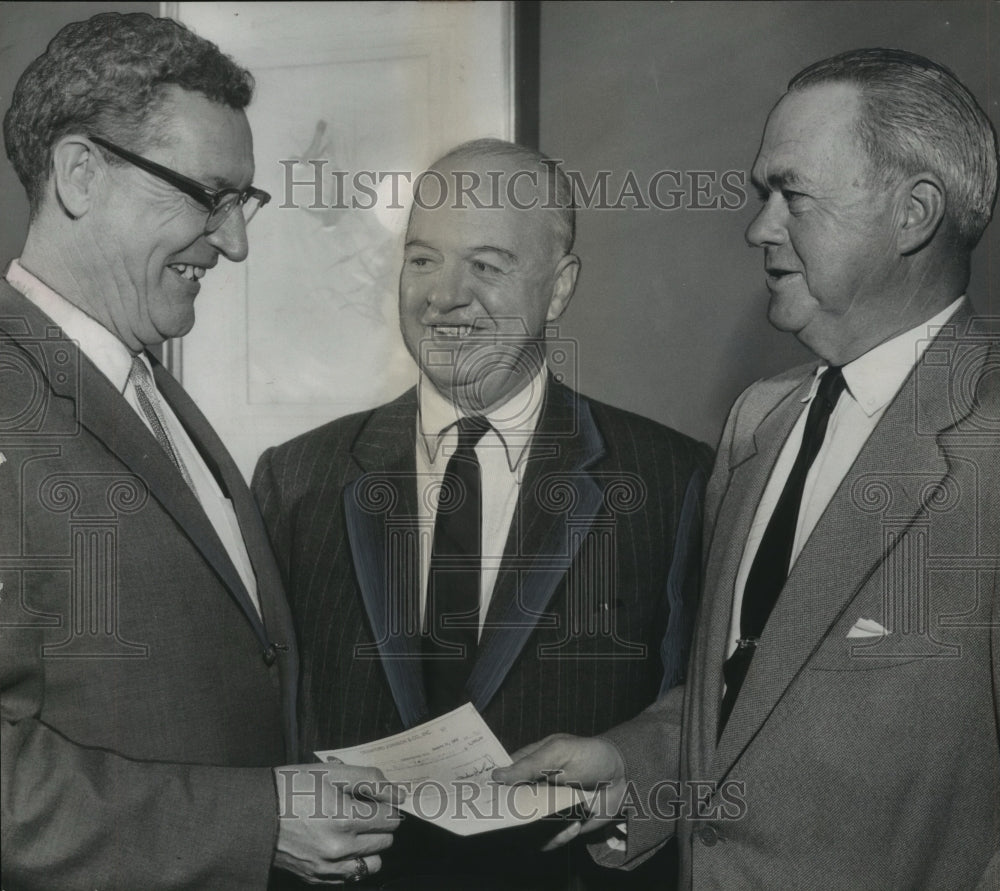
(360, 870)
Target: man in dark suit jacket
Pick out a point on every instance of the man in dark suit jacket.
(148, 663)
(841, 718)
(583, 600)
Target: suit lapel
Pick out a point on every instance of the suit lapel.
(164, 482)
(850, 536)
(557, 502)
(765, 421)
(380, 510)
(277, 619)
(108, 417)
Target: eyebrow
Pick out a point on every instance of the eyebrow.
(495, 250)
(416, 242)
(782, 176)
(479, 248)
(224, 182)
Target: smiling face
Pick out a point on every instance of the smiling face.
(478, 285)
(149, 247)
(827, 231)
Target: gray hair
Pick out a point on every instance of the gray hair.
(916, 115)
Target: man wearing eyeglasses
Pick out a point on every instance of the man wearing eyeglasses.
(147, 661)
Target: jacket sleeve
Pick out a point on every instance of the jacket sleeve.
(267, 492)
(650, 746)
(991, 876)
(650, 743)
(77, 817)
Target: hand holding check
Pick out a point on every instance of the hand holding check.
(590, 763)
(334, 819)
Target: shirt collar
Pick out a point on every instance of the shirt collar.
(874, 379)
(513, 421)
(96, 342)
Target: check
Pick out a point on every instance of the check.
(445, 766)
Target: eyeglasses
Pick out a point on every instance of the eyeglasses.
(219, 203)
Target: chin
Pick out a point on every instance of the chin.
(788, 313)
(176, 327)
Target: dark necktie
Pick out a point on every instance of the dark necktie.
(451, 640)
(771, 564)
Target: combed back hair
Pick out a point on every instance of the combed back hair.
(564, 213)
(109, 76)
(917, 116)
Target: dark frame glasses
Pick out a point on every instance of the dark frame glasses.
(219, 203)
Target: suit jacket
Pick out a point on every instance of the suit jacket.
(847, 762)
(593, 605)
(143, 699)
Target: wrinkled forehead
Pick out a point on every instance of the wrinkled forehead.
(204, 139)
(813, 126)
(488, 193)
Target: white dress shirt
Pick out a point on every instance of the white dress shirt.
(873, 380)
(502, 454)
(114, 360)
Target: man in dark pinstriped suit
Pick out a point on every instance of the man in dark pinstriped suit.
(590, 514)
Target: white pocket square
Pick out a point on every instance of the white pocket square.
(867, 628)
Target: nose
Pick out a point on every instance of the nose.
(448, 290)
(230, 238)
(768, 227)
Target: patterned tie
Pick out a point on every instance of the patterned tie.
(149, 402)
(771, 564)
(449, 646)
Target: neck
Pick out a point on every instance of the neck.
(57, 258)
(922, 286)
(477, 400)
(875, 335)
(51, 260)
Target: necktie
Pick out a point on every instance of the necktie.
(149, 402)
(770, 566)
(451, 639)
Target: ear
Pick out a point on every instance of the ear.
(565, 283)
(75, 165)
(923, 208)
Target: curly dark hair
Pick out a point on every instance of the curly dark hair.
(109, 75)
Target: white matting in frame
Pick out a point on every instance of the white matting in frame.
(306, 330)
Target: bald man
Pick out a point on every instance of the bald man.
(556, 590)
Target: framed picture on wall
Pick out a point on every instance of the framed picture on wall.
(353, 101)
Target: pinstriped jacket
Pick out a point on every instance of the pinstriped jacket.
(593, 606)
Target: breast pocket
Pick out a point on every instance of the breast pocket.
(842, 653)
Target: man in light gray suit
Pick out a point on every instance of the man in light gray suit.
(148, 664)
(839, 727)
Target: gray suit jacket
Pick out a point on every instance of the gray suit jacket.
(850, 763)
(143, 699)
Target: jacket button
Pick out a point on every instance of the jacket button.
(270, 654)
(709, 836)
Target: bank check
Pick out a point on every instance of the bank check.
(445, 765)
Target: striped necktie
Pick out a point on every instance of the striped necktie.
(149, 402)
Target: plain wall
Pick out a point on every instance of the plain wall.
(25, 31)
(669, 316)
